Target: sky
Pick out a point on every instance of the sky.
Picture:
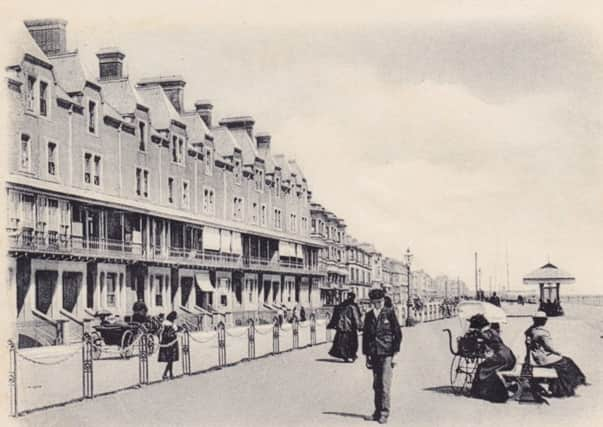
(450, 127)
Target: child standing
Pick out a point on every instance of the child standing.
(168, 344)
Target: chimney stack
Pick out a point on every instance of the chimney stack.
(204, 108)
(49, 34)
(110, 63)
(173, 86)
(263, 140)
(244, 122)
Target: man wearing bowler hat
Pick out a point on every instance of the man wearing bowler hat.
(380, 342)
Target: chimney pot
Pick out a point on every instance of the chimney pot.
(204, 108)
(110, 63)
(244, 122)
(263, 139)
(49, 34)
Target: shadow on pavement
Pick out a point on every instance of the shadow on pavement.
(347, 415)
(442, 389)
(331, 360)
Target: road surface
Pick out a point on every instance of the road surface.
(308, 388)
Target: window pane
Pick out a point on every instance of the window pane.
(43, 98)
(51, 158)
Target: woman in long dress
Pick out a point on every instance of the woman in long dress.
(487, 384)
(542, 353)
(346, 322)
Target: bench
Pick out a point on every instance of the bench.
(530, 383)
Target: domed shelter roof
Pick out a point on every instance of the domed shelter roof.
(549, 273)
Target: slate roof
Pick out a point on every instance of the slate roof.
(70, 72)
(296, 170)
(248, 146)
(224, 142)
(161, 110)
(196, 129)
(121, 94)
(282, 162)
(270, 164)
(23, 43)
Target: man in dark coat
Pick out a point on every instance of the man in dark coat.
(380, 342)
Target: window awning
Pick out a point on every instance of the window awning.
(236, 247)
(211, 238)
(225, 238)
(203, 282)
(289, 250)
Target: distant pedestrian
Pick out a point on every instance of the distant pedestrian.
(346, 322)
(380, 342)
(139, 311)
(495, 299)
(299, 312)
(168, 344)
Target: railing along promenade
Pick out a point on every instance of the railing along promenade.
(91, 368)
(583, 299)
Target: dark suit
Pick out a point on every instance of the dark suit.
(380, 341)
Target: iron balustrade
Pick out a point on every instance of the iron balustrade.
(55, 243)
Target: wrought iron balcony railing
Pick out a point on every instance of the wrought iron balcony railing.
(54, 243)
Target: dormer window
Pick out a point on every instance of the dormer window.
(92, 117)
(142, 135)
(31, 94)
(181, 150)
(175, 149)
(259, 180)
(237, 171)
(209, 162)
(43, 99)
(277, 186)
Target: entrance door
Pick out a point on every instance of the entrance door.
(72, 284)
(266, 290)
(46, 282)
(186, 288)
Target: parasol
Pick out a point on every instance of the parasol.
(492, 313)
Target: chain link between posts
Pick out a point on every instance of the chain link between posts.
(243, 332)
(88, 345)
(53, 363)
(204, 341)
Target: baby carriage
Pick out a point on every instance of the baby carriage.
(115, 332)
(470, 347)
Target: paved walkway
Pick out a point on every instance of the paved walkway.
(307, 388)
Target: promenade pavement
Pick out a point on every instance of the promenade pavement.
(308, 388)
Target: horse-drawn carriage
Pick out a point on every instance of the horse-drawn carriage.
(123, 334)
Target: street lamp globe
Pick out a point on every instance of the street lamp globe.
(408, 257)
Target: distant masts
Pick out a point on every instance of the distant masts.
(507, 263)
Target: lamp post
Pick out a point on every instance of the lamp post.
(408, 259)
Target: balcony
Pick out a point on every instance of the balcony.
(55, 244)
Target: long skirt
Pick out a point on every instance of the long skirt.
(487, 384)
(569, 377)
(169, 354)
(345, 345)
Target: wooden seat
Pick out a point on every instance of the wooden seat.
(530, 382)
(538, 372)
